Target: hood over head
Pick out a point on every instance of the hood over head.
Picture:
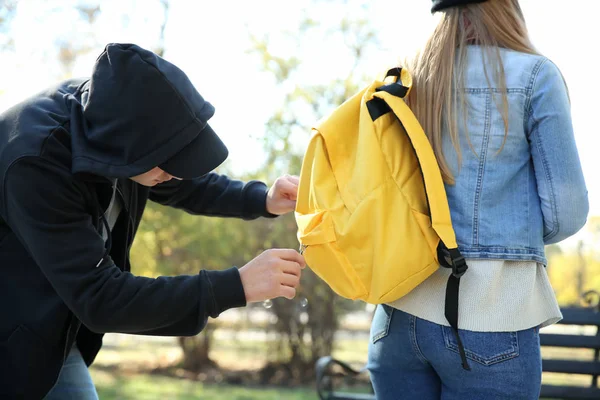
(139, 111)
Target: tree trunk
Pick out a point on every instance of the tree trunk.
(196, 351)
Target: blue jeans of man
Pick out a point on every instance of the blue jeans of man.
(74, 381)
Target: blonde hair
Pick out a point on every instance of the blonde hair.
(438, 69)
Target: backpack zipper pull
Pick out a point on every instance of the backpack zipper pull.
(302, 248)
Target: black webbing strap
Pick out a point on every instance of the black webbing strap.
(451, 258)
(395, 89)
(378, 107)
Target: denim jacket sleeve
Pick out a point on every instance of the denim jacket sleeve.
(560, 182)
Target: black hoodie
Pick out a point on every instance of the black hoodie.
(59, 154)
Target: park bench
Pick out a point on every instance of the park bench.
(330, 370)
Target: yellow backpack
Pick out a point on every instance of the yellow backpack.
(372, 213)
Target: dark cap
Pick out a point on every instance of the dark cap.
(439, 5)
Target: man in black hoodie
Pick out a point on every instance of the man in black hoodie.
(78, 163)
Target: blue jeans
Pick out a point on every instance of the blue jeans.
(74, 381)
(410, 358)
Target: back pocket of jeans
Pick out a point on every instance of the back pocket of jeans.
(486, 348)
(380, 326)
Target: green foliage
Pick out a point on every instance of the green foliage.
(148, 387)
(172, 242)
(574, 272)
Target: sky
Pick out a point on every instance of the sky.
(209, 41)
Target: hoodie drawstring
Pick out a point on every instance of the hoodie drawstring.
(106, 226)
(108, 240)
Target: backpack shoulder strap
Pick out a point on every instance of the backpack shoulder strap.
(390, 98)
(392, 94)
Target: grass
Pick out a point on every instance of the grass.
(116, 371)
(149, 387)
(146, 387)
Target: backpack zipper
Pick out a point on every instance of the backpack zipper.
(302, 248)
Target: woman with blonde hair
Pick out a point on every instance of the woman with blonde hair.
(498, 117)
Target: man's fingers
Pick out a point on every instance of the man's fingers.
(288, 188)
(290, 280)
(287, 292)
(292, 268)
(294, 179)
(289, 255)
(288, 204)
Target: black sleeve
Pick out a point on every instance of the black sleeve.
(214, 195)
(46, 209)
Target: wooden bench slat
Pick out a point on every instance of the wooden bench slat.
(571, 367)
(571, 341)
(570, 392)
(580, 316)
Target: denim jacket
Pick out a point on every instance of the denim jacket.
(509, 204)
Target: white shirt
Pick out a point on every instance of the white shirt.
(495, 296)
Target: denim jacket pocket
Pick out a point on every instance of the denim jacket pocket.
(486, 348)
(380, 326)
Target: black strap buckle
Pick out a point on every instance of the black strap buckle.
(451, 258)
(459, 266)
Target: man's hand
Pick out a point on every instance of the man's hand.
(281, 198)
(274, 273)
